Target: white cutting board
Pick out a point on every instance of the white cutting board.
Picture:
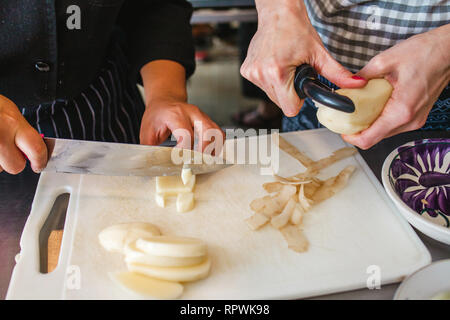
(357, 228)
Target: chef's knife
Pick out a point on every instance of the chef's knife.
(307, 84)
(120, 159)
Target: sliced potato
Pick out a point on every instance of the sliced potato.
(186, 175)
(173, 185)
(257, 220)
(179, 274)
(115, 237)
(135, 255)
(283, 218)
(295, 238)
(147, 287)
(168, 246)
(185, 201)
(160, 200)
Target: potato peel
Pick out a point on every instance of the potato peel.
(333, 185)
(295, 238)
(284, 145)
(256, 221)
(283, 218)
(291, 197)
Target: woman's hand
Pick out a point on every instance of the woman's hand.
(17, 138)
(419, 69)
(167, 110)
(286, 39)
(167, 115)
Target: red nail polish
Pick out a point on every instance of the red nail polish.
(358, 78)
(42, 135)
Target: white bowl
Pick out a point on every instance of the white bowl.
(402, 175)
(426, 282)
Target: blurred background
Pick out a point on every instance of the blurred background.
(222, 30)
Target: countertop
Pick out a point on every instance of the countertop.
(17, 192)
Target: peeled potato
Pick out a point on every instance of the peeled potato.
(186, 175)
(182, 274)
(135, 255)
(160, 200)
(173, 185)
(114, 238)
(185, 201)
(147, 287)
(167, 246)
(369, 102)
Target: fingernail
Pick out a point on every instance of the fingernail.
(42, 135)
(358, 78)
(38, 170)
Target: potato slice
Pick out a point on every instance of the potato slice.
(160, 200)
(147, 287)
(295, 238)
(185, 201)
(257, 220)
(179, 274)
(173, 185)
(369, 103)
(114, 238)
(283, 218)
(135, 255)
(333, 185)
(186, 175)
(168, 246)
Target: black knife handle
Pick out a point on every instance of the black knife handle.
(307, 84)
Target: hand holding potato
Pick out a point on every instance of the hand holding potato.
(286, 39)
(18, 138)
(418, 69)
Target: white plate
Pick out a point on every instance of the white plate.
(426, 283)
(415, 156)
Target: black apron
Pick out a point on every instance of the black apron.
(110, 109)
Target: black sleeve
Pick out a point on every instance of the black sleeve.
(158, 29)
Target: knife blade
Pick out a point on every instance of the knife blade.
(120, 159)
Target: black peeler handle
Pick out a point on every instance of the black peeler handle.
(307, 84)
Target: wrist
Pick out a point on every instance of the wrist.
(269, 9)
(440, 37)
(166, 97)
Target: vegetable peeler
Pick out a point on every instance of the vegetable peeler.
(307, 84)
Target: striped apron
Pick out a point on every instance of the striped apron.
(110, 109)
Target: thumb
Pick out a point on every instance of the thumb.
(377, 67)
(337, 74)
